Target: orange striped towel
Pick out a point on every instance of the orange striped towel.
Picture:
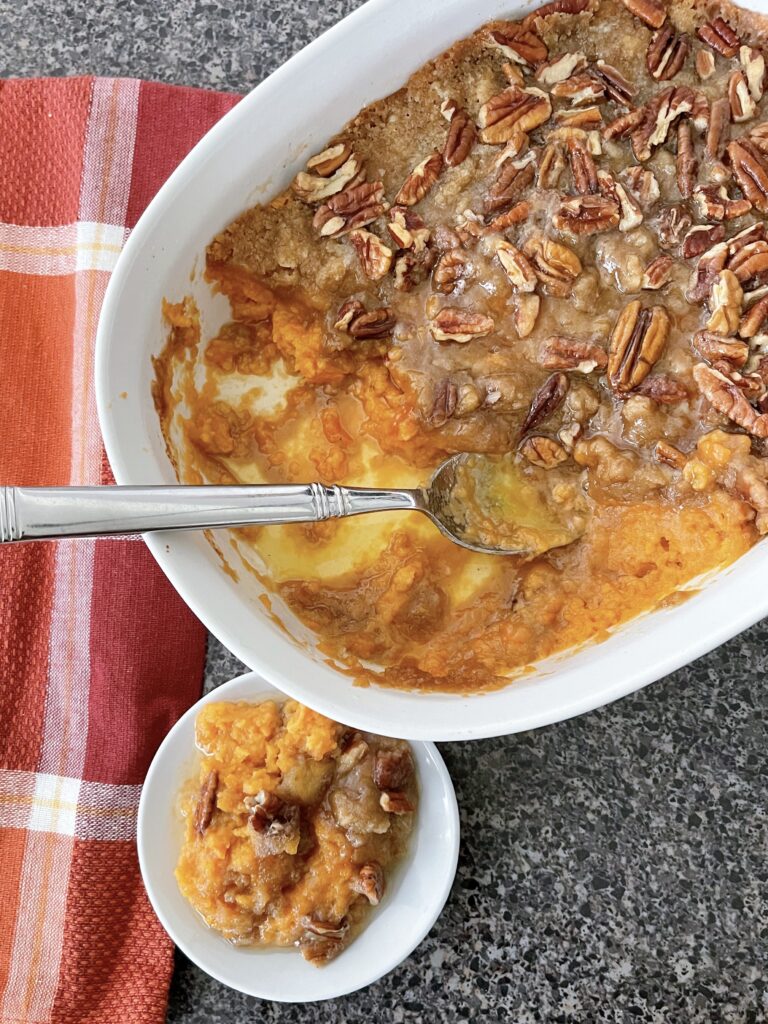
(98, 655)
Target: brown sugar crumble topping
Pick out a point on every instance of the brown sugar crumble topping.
(550, 243)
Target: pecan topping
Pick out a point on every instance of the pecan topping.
(314, 188)
(625, 124)
(753, 63)
(709, 266)
(370, 883)
(375, 257)
(720, 36)
(637, 341)
(330, 160)
(580, 117)
(714, 203)
(705, 64)
(392, 768)
(547, 400)
(750, 168)
(543, 451)
(420, 180)
(563, 353)
(581, 89)
(669, 455)
(701, 238)
(727, 398)
(616, 86)
(629, 208)
(743, 107)
(557, 70)
(455, 324)
(353, 319)
(719, 128)
(586, 215)
(687, 164)
(395, 803)
(460, 138)
(527, 306)
(556, 266)
(725, 303)
(643, 183)
(754, 319)
(551, 165)
(407, 229)
(666, 53)
(278, 832)
(650, 11)
(673, 222)
(715, 348)
(320, 947)
(660, 114)
(662, 389)
(514, 215)
(520, 43)
(657, 273)
(583, 168)
(451, 268)
(206, 802)
(353, 208)
(517, 268)
(512, 179)
(511, 111)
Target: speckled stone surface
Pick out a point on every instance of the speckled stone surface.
(613, 867)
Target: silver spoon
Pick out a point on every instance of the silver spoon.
(49, 513)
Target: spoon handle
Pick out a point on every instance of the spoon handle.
(46, 513)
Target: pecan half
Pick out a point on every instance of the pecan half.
(564, 353)
(586, 215)
(616, 86)
(353, 208)
(583, 168)
(420, 180)
(556, 266)
(553, 71)
(657, 273)
(508, 219)
(513, 178)
(330, 160)
(750, 265)
(727, 398)
(666, 53)
(453, 400)
(709, 266)
(394, 802)
(354, 320)
(392, 768)
(637, 341)
(700, 112)
(581, 89)
(206, 802)
(629, 208)
(725, 302)
(704, 63)
(746, 237)
(650, 11)
(643, 183)
(743, 106)
(460, 139)
(370, 883)
(451, 268)
(314, 188)
(527, 306)
(320, 947)
(510, 111)
(411, 268)
(687, 165)
(714, 203)
(547, 400)
(715, 348)
(701, 238)
(519, 271)
(661, 112)
(719, 128)
(720, 36)
(543, 451)
(407, 228)
(580, 117)
(625, 124)
(754, 319)
(374, 256)
(753, 63)
(551, 165)
(520, 43)
(662, 389)
(455, 324)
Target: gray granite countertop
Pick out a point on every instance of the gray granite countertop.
(613, 867)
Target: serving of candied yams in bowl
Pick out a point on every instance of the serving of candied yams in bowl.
(550, 244)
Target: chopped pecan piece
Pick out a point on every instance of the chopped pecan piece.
(556, 266)
(727, 398)
(715, 348)
(551, 165)
(704, 64)
(510, 111)
(687, 164)
(519, 271)
(547, 400)
(720, 36)
(669, 455)
(719, 128)
(637, 341)
(725, 302)
(206, 802)
(750, 264)
(374, 256)
(320, 946)
(543, 451)
(278, 832)
(394, 802)
(651, 12)
(512, 179)
(392, 768)
(701, 238)
(672, 225)
(662, 389)
(353, 319)
(709, 266)
(582, 90)
(460, 138)
(643, 184)
(520, 43)
(743, 107)
(700, 112)
(514, 215)
(583, 168)
(666, 53)
(314, 188)
(557, 7)
(563, 353)
(661, 112)
(455, 324)
(370, 883)
(527, 306)
(444, 404)
(411, 268)
(580, 117)
(714, 203)
(407, 228)
(754, 319)
(420, 180)
(586, 215)
(747, 236)
(451, 267)
(657, 273)
(553, 71)
(617, 87)
(353, 208)
(753, 63)
(330, 160)
(629, 208)
(625, 124)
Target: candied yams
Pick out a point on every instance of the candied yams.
(550, 245)
(291, 825)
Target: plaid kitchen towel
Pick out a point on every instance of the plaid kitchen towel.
(98, 655)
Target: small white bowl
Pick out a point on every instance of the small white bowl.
(416, 891)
